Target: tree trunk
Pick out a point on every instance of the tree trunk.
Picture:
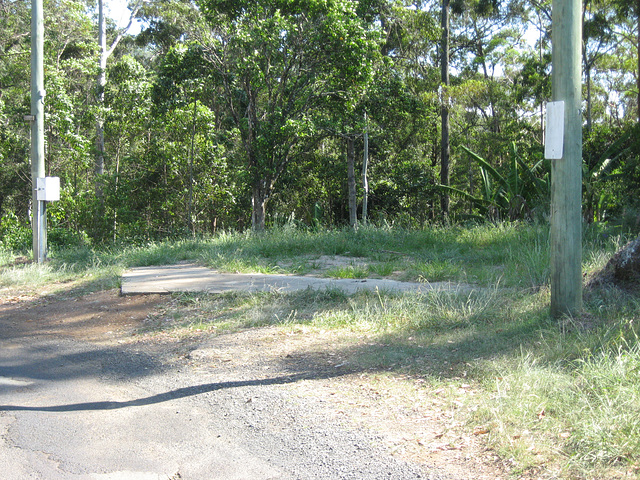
(104, 55)
(588, 80)
(102, 81)
(259, 207)
(351, 182)
(444, 71)
(365, 180)
(190, 222)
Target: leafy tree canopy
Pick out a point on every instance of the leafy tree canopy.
(279, 64)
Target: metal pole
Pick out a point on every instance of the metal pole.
(37, 129)
(566, 173)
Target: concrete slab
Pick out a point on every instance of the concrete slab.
(195, 278)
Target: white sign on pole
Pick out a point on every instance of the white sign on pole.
(48, 189)
(554, 132)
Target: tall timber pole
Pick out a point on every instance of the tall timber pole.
(566, 172)
(37, 129)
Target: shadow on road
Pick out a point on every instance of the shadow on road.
(167, 396)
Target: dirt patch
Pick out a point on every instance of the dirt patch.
(415, 422)
(327, 262)
(320, 265)
(100, 316)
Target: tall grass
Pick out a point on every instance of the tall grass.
(580, 418)
(481, 255)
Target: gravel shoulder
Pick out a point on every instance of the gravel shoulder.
(99, 399)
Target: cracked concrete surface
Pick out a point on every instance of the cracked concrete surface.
(188, 277)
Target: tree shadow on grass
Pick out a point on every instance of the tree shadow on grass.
(452, 354)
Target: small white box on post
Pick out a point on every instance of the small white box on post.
(554, 131)
(48, 189)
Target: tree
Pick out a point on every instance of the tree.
(188, 113)
(279, 64)
(597, 36)
(627, 9)
(445, 150)
(14, 82)
(104, 53)
(167, 24)
(128, 91)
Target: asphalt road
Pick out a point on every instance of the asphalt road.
(75, 409)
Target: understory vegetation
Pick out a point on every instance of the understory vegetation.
(553, 398)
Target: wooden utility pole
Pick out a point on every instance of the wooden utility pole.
(566, 172)
(39, 217)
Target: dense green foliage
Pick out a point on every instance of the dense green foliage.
(227, 115)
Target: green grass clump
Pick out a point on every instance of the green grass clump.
(580, 418)
(606, 412)
(348, 271)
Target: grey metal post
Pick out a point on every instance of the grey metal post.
(566, 173)
(37, 129)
